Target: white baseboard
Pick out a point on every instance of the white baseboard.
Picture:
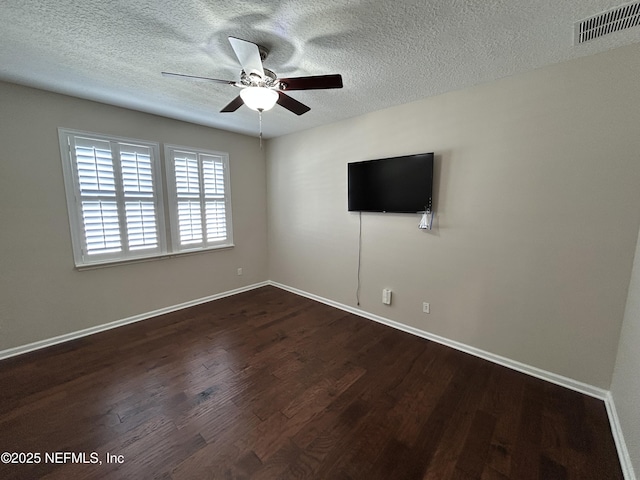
(506, 362)
(618, 437)
(12, 352)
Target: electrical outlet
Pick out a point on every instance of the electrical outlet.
(426, 308)
(240, 271)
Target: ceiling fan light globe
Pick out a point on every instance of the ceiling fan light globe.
(259, 98)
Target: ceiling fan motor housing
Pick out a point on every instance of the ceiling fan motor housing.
(270, 79)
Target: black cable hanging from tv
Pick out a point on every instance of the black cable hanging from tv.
(359, 256)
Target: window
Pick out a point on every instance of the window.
(116, 205)
(199, 189)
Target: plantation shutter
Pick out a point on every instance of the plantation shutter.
(139, 195)
(188, 192)
(214, 198)
(115, 197)
(99, 206)
(201, 198)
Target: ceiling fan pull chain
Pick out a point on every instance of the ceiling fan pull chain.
(260, 116)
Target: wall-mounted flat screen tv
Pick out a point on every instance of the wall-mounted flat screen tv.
(395, 185)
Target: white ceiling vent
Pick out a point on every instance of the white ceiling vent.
(607, 22)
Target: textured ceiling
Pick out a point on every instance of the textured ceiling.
(388, 53)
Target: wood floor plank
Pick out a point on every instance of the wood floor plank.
(503, 398)
(267, 384)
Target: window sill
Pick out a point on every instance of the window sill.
(151, 258)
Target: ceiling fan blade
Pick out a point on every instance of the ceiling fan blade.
(248, 55)
(193, 77)
(235, 104)
(292, 104)
(312, 83)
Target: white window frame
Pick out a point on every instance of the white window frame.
(171, 152)
(165, 200)
(82, 257)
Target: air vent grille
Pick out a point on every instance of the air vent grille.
(608, 22)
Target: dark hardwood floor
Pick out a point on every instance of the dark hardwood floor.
(267, 384)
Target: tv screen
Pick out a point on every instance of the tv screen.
(398, 184)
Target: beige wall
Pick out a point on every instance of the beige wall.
(537, 194)
(41, 294)
(625, 387)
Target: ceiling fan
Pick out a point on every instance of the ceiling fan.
(260, 87)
